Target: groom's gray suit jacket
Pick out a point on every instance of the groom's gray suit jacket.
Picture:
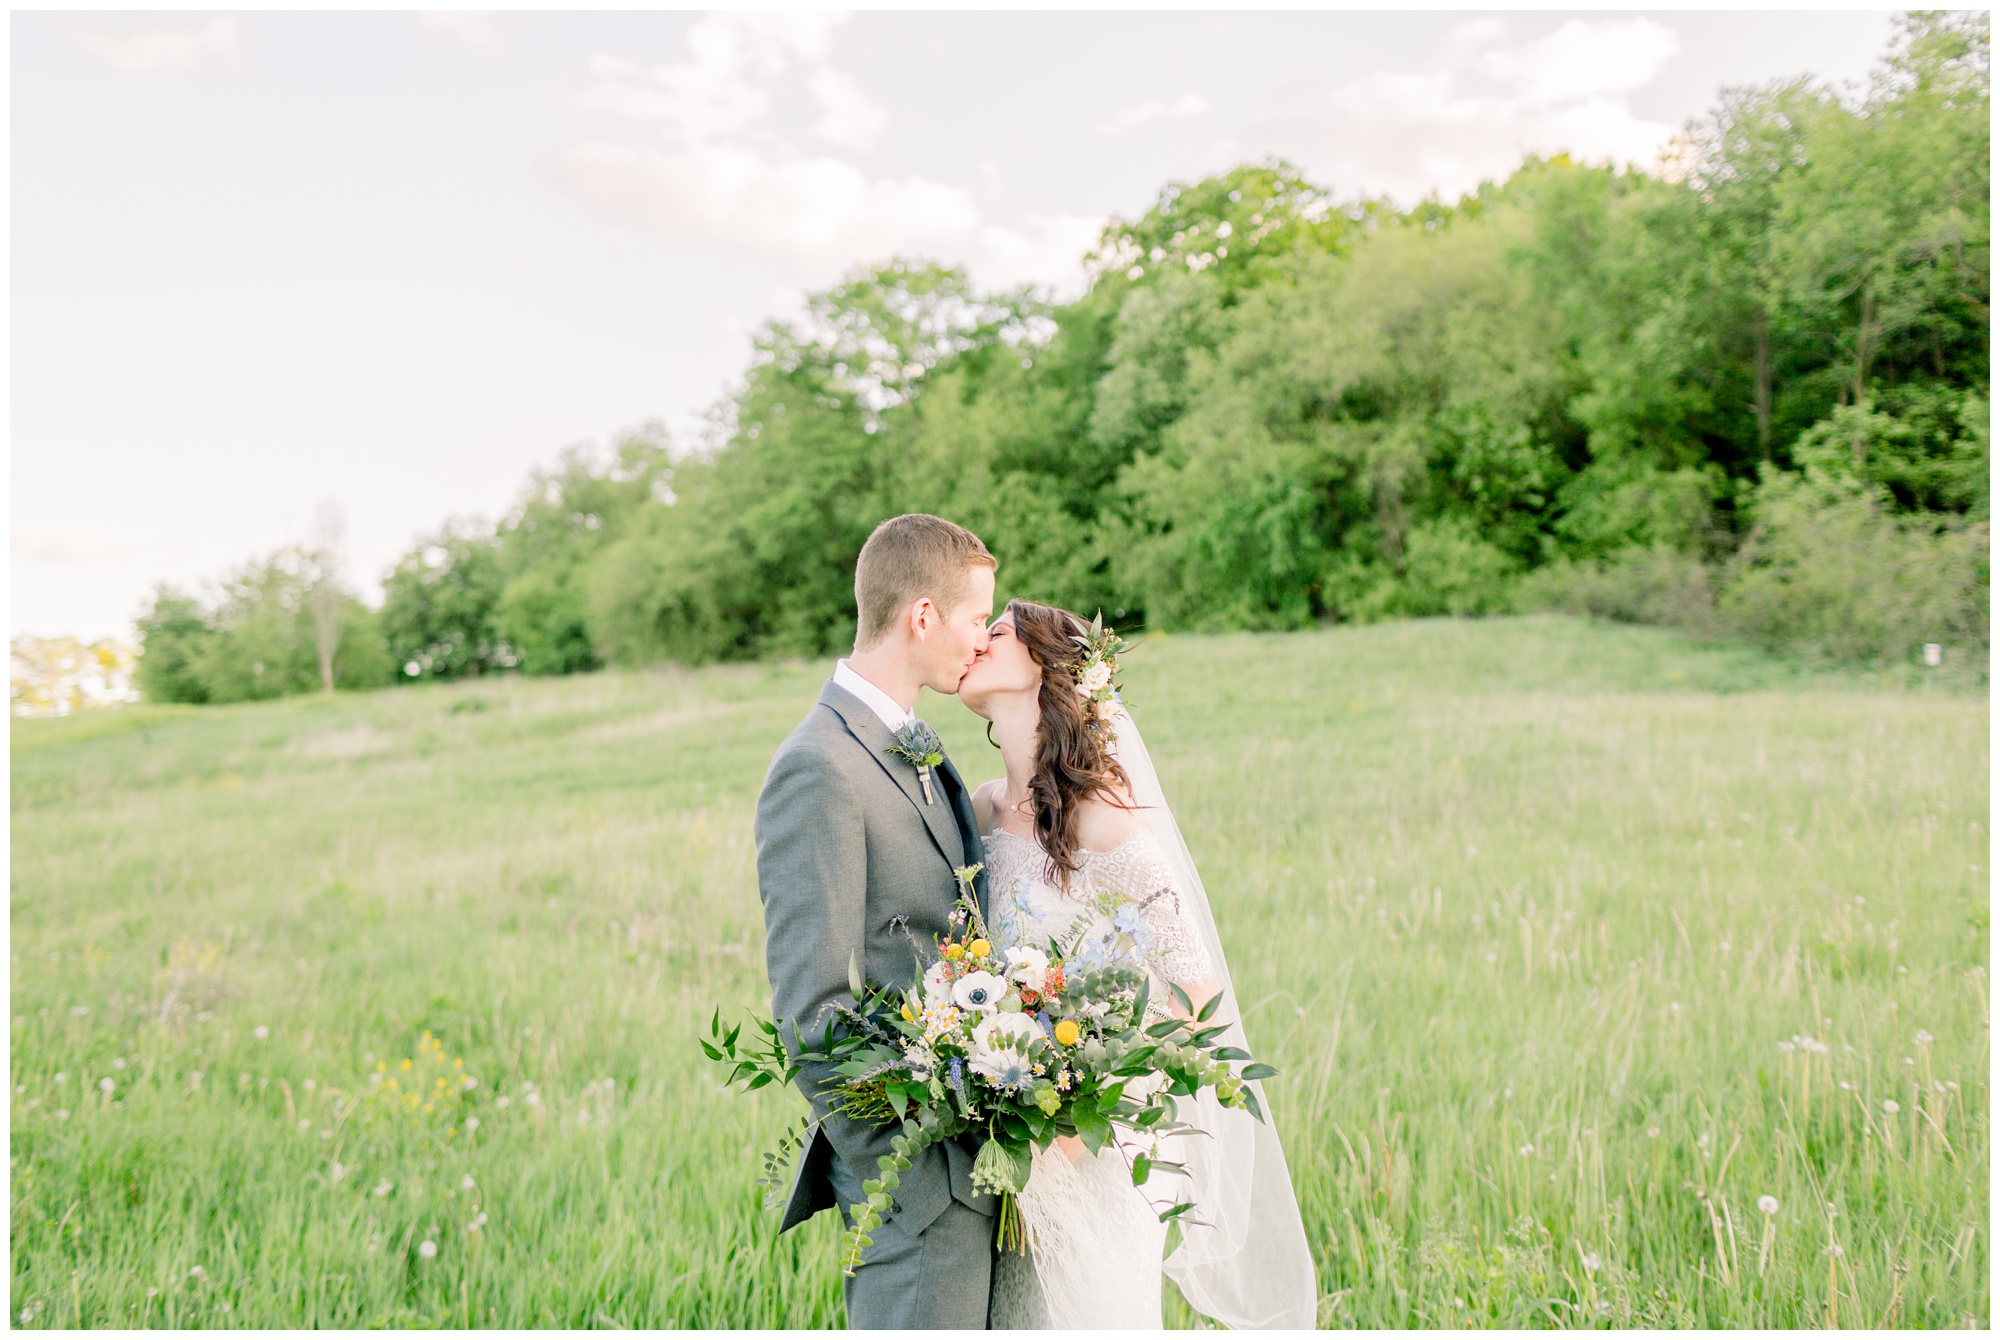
(849, 857)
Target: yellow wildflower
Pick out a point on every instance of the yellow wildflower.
(979, 949)
(1067, 1032)
(954, 952)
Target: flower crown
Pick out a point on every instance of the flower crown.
(1096, 670)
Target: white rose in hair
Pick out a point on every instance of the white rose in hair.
(1095, 678)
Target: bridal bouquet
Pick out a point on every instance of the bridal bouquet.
(1016, 1048)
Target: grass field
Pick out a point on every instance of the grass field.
(1573, 942)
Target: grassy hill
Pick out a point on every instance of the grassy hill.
(1573, 942)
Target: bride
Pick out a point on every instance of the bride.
(1081, 848)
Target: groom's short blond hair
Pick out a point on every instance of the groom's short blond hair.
(910, 557)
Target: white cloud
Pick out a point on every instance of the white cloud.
(54, 544)
(1136, 114)
(480, 29)
(718, 174)
(1476, 109)
(849, 118)
(806, 209)
(167, 51)
(723, 89)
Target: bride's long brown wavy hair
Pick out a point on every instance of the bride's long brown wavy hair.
(1072, 764)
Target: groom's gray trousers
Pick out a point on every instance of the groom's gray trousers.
(854, 865)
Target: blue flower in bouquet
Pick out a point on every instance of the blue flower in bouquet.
(958, 1074)
(1130, 920)
(1090, 954)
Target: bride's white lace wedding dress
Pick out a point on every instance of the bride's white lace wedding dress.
(1095, 1240)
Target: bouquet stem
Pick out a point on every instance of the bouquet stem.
(1012, 1232)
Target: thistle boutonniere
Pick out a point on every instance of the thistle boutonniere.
(1096, 670)
(918, 744)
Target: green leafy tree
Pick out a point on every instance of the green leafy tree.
(439, 607)
(174, 637)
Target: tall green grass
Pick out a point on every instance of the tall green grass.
(1573, 943)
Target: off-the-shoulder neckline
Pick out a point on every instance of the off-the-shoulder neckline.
(1080, 851)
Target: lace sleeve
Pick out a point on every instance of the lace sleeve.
(1140, 875)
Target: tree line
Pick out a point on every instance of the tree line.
(1745, 392)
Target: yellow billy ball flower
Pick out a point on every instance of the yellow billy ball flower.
(954, 952)
(979, 949)
(1067, 1032)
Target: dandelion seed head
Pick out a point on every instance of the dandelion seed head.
(1592, 1262)
(1768, 1204)
(107, 1084)
(427, 1249)
(117, 1063)
(466, 1183)
(1527, 1151)
(194, 1270)
(1924, 1039)
(260, 1032)
(1891, 1106)
(472, 1123)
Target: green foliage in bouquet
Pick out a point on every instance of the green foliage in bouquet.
(1019, 1048)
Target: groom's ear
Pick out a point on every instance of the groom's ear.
(921, 615)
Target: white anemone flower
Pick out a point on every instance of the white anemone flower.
(1003, 1032)
(1006, 1070)
(1028, 966)
(979, 991)
(1000, 1049)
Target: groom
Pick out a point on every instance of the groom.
(854, 861)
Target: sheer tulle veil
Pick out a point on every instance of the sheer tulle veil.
(1246, 1263)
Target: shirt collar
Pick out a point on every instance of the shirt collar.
(881, 704)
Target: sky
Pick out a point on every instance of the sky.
(269, 269)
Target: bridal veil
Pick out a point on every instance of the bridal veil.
(1244, 1261)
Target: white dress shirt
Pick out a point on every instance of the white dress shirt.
(893, 714)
